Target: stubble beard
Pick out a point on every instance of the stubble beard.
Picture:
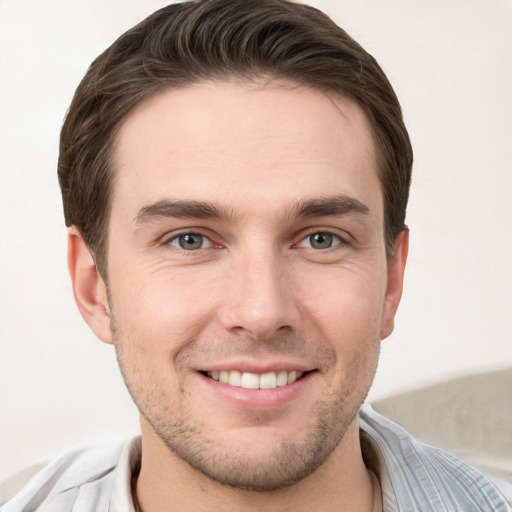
(277, 466)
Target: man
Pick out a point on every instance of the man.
(235, 176)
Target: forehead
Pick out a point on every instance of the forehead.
(244, 144)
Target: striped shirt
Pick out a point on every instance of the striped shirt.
(414, 477)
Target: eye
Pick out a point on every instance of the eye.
(190, 241)
(320, 240)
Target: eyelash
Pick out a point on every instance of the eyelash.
(341, 241)
(175, 236)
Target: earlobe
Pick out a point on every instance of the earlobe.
(396, 270)
(89, 288)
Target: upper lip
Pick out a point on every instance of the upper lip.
(257, 367)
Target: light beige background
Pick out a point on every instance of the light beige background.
(451, 64)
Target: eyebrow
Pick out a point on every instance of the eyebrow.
(183, 210)
(318, 207)
(329, 206)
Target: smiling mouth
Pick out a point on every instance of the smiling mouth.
(249, 380)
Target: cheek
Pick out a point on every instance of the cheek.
(161, 309)
(346, 307)
(345, 311)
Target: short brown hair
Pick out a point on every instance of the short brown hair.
(200, 40)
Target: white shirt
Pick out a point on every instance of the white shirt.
(414, 477)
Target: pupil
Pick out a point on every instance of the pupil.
(190, 241)
(321, 240)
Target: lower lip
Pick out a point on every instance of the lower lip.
(259, 399)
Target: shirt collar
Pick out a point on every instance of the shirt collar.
(127, 470)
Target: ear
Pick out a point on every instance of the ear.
(89, 288)
(396, 269)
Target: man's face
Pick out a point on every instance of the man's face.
(246, 244)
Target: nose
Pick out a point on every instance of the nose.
(260, 299)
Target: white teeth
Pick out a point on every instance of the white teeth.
(268, 381)
(292, 377)
(235, 378)
(248, 380)
(282, 378)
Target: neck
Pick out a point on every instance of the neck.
(168, 483)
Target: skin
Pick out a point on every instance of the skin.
(275, 164)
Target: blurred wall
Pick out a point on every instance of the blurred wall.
(450, 63)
